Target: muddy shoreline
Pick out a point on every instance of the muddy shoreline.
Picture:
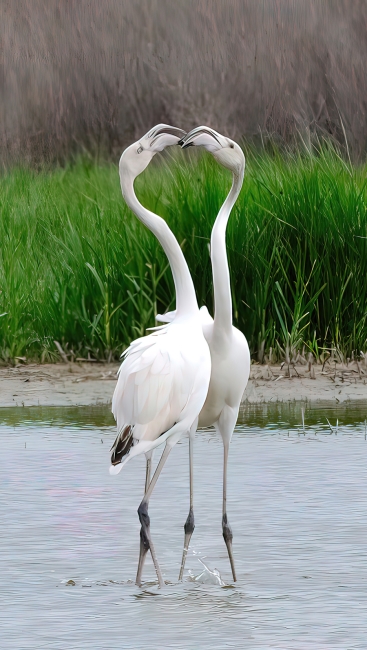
(85, 384)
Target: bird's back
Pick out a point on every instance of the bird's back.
(230, 367)
(163, 379)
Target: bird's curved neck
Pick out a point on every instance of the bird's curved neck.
(218, 253)
(186, 302)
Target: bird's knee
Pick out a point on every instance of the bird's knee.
(144, 539)
(190, 523)
(143, 515)
(227, 530)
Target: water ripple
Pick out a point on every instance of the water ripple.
(70, 536)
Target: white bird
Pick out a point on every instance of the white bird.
(164, 377)
(230, 355)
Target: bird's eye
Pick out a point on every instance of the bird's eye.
(139, 149)
(231, 146)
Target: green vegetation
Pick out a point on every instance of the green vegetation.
(77, 267)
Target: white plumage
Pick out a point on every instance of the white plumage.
(164, 377)
(162, 385)
(230, 355)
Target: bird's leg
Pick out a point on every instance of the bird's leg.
(227, 531)
(145, 535)
(225, 426)
(190, 521)
(144, 547)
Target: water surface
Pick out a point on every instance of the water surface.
(297, 505)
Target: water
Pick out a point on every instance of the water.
(69, 535)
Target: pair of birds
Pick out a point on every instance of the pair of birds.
(192, 370)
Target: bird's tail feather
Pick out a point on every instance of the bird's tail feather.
(122, 445)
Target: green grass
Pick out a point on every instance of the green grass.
(77, 267)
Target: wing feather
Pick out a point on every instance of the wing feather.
(156, 379)
(159, 363)
(141, 375)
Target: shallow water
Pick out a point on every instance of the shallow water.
(297, 506)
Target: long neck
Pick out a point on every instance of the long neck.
(218, 253)
(186, 302)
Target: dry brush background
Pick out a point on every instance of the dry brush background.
(79, 75)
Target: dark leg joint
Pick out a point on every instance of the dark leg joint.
(143, 515)
(190, 523)
(227, 531)
(145, 523)
(144, 540)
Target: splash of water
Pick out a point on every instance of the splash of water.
(208, 576)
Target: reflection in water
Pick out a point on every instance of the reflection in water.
(272, 415)
(70, 535)
(80, 417)
(288, 415)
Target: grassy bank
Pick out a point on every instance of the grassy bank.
(77, 267)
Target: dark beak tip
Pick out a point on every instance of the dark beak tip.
(184, 144)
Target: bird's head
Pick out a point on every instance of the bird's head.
(138, 156)
(227, 153)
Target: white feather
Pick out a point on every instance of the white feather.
(155, 388)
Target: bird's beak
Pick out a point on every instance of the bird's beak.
(166, 129)
(184, 143)
(201, 136)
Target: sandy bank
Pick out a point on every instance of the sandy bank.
(83, 384)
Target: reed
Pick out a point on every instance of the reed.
(90, 75)
(78, 268)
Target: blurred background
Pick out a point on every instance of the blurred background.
(87, 76)
(80, 80)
